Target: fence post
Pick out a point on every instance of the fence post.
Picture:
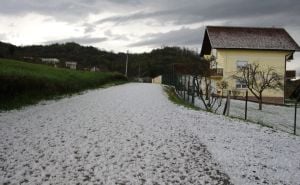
(295, 117)
(246, 105)
(179, 78)
(176, 81)
(228, 103)
(225, 106)
(184, 87)
(172, 77)
(193, 92)
(188, 90)
(180, 85)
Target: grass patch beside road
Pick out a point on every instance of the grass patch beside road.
(177, 100)
(25, 83)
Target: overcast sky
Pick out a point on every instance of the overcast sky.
(138, 25)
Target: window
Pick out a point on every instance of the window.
(241, 64)
(240, 84)
(220, 71)
(213, 64)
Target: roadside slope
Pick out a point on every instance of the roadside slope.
(26, 83)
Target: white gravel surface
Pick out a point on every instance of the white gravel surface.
(132, 134)
(276, 116)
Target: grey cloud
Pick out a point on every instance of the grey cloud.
(179, 12)
(64, 10)
(113, 36)
(164, 13)
(15, 7)
(2, 36)
(182, 12)
(119, 19)
(130, 2)
(181, 37)
(81, 40)
(183, 8)
(88, 28)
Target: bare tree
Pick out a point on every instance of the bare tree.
(207, 94)
(222, 85)
(204, 88)
(257, 79)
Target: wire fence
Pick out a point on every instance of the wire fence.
(234, 103)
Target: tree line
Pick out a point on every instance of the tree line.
(150, 64)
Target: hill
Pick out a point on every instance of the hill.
(151, 64)
(25, 83)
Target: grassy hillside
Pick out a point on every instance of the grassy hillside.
(157, 62)
(24, 83)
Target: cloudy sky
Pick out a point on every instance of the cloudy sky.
(138, 25)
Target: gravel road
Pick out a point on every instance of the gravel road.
(127, 134)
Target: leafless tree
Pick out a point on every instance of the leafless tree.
(207, 94)
(257, 79)
(222, 85)
(204, 89)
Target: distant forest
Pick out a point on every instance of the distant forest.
(156, 62)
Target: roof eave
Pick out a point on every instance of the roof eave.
(203, 52)
(267, 49)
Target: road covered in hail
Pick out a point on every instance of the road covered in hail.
(132, 134)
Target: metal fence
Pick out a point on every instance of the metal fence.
(235, 104)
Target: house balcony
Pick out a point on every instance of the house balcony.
(216, 73)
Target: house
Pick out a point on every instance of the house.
(235, 47)
(53, 61)
(71, 65)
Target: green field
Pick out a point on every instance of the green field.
(25, 83)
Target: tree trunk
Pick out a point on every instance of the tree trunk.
(260, 101)
(206, 89)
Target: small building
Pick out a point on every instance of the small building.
(157, 80)
(71, 64)
(143, 79)
(53, 61)
(95, 69)
(291, 83)
(290, 74)
(235, 47)
(28, 58)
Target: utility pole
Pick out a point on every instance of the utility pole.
(126, 64)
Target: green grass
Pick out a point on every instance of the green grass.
(25, 83)
(177, 100)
